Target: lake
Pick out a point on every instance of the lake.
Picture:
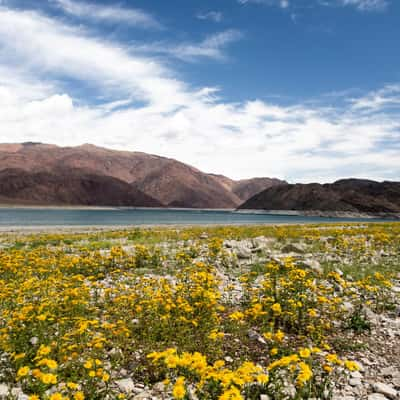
(21, 217)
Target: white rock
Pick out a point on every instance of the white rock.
(143, 396)
(314, 265)
(377, 396)
(34, 340)
(386, 390)
(3, 390)
(243, 252)
(293, 248)
(390, 371)
(19, 394)
(355, 382)
(341, 397)
(265, 397)
(159, 387)
(125, 385)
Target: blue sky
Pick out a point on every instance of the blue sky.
(306, 90)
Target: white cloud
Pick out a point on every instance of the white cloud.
(149, 108)
(213, 47)
(49, 49)
(215, 16)
(388, 96)
(114, 14)
(362, 5)
(278, 3)
(366, 5)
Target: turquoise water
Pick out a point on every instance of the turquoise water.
(87, 217)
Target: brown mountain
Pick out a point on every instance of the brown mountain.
(170, 182)
(69, 187)
(347, 195)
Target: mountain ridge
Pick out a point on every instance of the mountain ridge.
(170, 182)
(345, 195)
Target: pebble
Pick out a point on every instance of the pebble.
(390, 371)
(355, 382)
(377, 396)
(143, 396)
(386, 390)
(126, 385)
(3, 390)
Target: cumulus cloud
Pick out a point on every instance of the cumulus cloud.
(148, 107)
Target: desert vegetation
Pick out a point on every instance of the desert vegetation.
(262, 312)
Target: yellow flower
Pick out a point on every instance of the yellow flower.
(304, 353)
(274, 351)
(92, 373)
(79, 396)
(305, 374)
(43, 350)
(56, 396)
(333, 359)
(19, 356)
(236, 316)
(179, 390)
(88, 364)
(263, 379)
(279, 336)
(351, 365)
(23, 371)
(232, 393)
(327, 368)
(214, 335)
(105, 377)
(312, 313)
(34, 397)
(72, 385)
(52, 364)
(276, 308)
(48, 379)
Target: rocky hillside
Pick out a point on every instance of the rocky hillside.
(347, 195)
(170, 182)
(69, 187)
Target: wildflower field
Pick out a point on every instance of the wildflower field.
(270, 312)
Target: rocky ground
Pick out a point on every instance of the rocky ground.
(376, 348)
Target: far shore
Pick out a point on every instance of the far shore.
(83, 207)
(298, 213)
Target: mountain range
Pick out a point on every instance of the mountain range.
(45, 174)
(346, 195)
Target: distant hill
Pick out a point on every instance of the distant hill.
(69, 187)
(347, 195)
(140, 179)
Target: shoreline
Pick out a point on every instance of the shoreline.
(298, 213)
(64, 229)
(323, 214)
(107, 208)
